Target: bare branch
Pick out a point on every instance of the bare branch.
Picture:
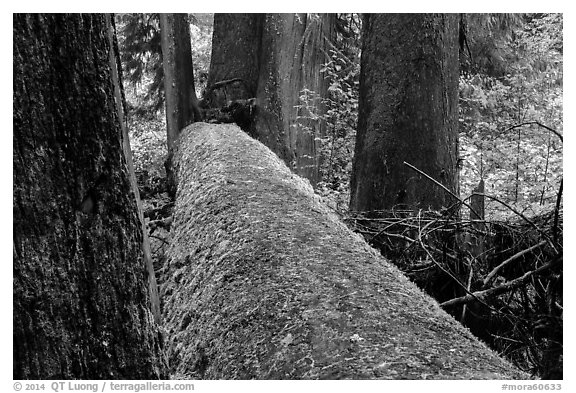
(540, 125)
(443, 187)
(536, 227)
(491, 275)
(506, 287)
(557, 212)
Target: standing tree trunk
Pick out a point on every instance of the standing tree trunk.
(276, 94)
(179, 90)
(407, 112)
(309, 127)
(82, 304)
(180, 93)
(116, 75)
(294, 48)
(277, 57)
(235, 57)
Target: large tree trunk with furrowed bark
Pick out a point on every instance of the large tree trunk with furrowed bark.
(275, 58)
(235, 57)
(408, 112)
(264, 281)
(83, 296)
(294, 48)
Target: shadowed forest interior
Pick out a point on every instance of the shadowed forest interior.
(288, 196)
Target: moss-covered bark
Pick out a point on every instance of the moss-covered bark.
(264, 281)
(82, 305)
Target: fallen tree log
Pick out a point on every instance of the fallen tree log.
(264, 281)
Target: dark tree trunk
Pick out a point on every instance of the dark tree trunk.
(407, 112)
(180, 93)
(276, 57)
(235, 56)
(276, 96)
(82, 304)
(264, 281)
(179, 87)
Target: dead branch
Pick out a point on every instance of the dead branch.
(540, 125)
(223, 83)
(532, 224)
(164, 223)
(557, 212)
(491, 275)
(462, 202)
(506, 287)
(449, 273)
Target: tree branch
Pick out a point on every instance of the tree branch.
(557, 212)
(536, 227)
(443, 187)
(506, 287)
(491, 275)
(540, 125)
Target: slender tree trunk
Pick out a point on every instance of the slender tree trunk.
(82, 301)
(264, 281)
(179, 87)
(180, 93)
(407, 112)
(116, 75)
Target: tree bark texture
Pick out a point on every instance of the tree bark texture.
(309, 126)
(179, 87)
(82, 306)
(294, 48)
(235, 55)
(279, 57)
(408, 111)
(264, 281)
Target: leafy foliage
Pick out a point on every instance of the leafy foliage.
(487, 38)
(521, 165)
(341, 115)
(201, 26)
(141, 55)
(149, 150)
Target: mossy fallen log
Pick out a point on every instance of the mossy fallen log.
(264, 281)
